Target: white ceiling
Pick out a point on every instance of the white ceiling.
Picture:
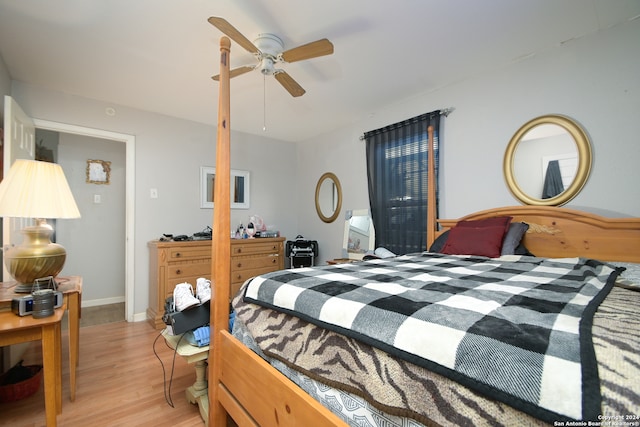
(159, 55)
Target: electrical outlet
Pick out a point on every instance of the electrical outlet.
(153, 193)
(97, 198)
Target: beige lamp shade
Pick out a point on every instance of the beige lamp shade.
(34, 189)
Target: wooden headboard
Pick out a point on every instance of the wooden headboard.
(556, 232)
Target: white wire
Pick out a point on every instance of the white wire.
(264, 103)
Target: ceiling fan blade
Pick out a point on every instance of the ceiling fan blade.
(307, 51)
(289, 84)
(235, 35)
(236, 72)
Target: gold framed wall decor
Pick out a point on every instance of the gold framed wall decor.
(521, 162)
(328, 197)
(98, 172)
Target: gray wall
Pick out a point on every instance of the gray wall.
(95, 243)
(593, 79)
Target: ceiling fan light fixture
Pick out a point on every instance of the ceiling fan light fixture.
(266, 66)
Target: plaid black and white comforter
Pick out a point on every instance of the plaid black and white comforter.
(517, 329)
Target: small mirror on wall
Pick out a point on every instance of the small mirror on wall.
(359, 234)
(240, 188)
(328, 197)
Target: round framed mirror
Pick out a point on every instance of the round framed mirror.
(547, 161)
(328, 197)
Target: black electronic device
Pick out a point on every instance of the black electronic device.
(23, 306)
(185, 320)
(203, 235)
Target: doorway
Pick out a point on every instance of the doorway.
(129, 141)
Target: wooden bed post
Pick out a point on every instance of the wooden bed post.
(220, 243)
(431, 190)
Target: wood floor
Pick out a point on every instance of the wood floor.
(120, 382)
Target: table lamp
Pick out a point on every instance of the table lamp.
(37, 190)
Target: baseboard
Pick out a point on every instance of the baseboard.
(102, 301)
(140, 317)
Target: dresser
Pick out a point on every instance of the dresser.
(252, 257)
(171, 263)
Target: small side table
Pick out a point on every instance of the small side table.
(71, 288)
(197, 393)
(15, 329)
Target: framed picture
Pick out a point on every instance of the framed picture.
(98, 172)
(240, 188)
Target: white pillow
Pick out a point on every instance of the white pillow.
(384, 253)
(630, 278)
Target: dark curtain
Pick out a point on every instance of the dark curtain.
(397, 177)
(552, 181)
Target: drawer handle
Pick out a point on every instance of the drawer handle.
(273, 261)
(178, 254)
(239, 276)
(239, 264)
(239, 250)
(178, 271)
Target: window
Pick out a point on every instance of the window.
(397, 169)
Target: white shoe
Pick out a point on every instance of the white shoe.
(183, 296)
(203, 290)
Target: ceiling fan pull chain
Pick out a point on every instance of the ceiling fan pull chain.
(264, 103)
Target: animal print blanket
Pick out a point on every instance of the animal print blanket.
(516, 329)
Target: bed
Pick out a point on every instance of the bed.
(245, 387)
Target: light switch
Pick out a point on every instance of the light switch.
(97, 198)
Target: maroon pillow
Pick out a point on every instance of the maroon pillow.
(483, 241)
(488, 222)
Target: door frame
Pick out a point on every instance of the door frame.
(129, 141)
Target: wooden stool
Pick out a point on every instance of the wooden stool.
(198, 392)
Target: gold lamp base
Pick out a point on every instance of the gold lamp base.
(36, 257)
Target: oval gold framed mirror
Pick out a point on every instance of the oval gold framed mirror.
(328, 197)
(547, 161)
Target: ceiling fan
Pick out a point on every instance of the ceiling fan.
(269, 51)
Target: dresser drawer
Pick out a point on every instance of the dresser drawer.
(255, 247)
(247, 263)
(240, 276)
(188, 270)
(187, 253)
